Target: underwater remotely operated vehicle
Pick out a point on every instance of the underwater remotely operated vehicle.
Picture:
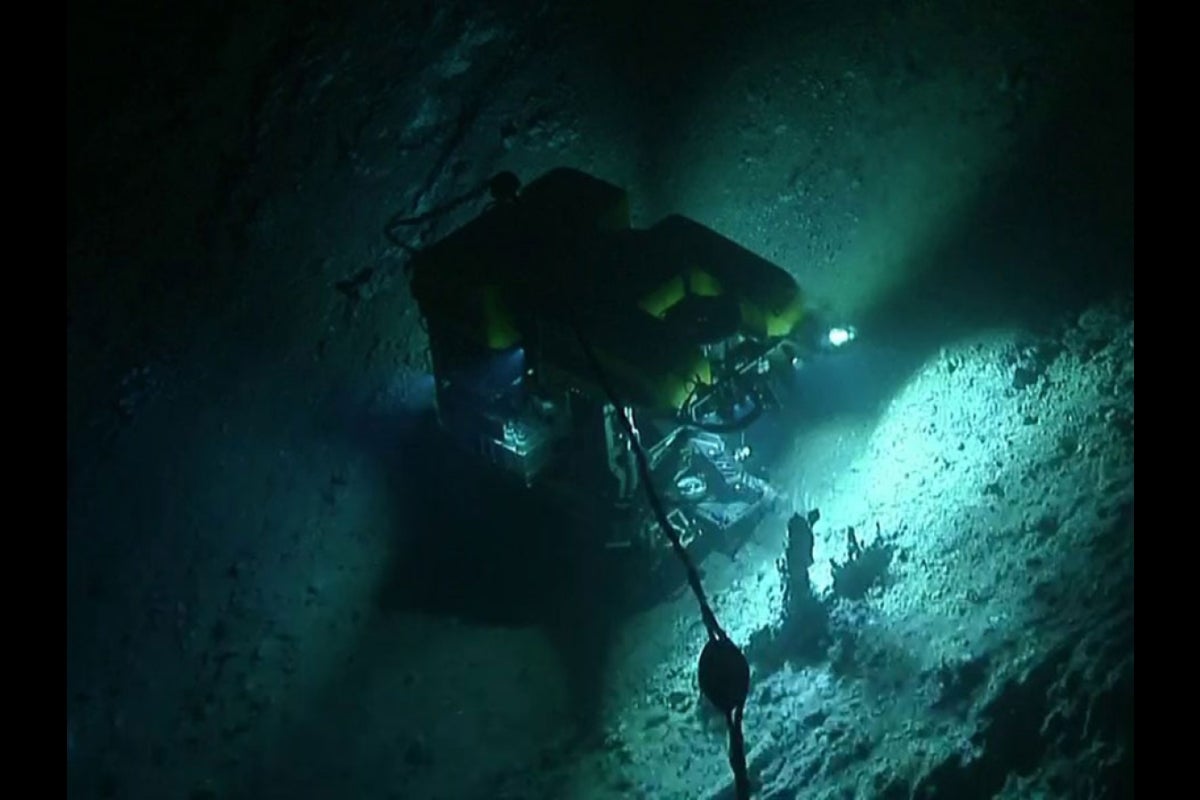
(557, 331)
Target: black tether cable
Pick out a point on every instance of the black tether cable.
(724, 672)
(503, 187)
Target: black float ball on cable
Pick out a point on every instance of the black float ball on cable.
(724, 675)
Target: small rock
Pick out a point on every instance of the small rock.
(1047, 524)
(679, 701)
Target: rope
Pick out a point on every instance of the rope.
(503, 187)
(724, 674)
(713, 627)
